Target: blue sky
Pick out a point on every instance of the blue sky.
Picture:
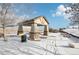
(54, 16)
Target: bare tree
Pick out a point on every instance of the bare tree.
(7, 17)
(73, 12)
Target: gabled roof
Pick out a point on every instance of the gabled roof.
(38, 17)
(32, 20)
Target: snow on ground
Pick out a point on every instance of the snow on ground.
(72, 31)
(53, 44)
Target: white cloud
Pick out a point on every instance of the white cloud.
(58, 13)
(61, 11)
(61, 8)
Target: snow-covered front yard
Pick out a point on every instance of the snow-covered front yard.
(53, 44)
